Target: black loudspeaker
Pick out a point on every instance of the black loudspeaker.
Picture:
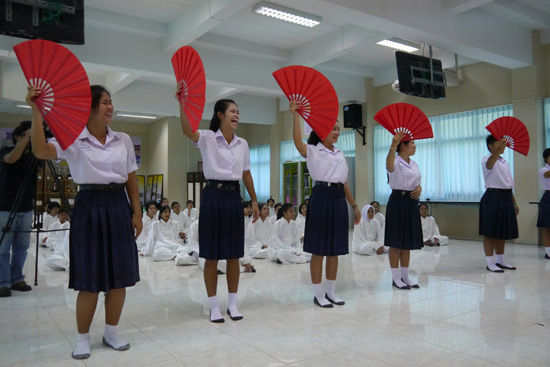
(353, 115)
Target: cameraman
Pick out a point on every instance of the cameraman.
(15, 162)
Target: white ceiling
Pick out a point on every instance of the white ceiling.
(129, 44)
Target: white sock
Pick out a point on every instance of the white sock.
(396, 275)
(320, 294)
(500, 260)
(112, 338)
(232, 305)
(215, 313)
(82, 348)
(547, 249)
(330, 285)
(491, 263)
(405, 277)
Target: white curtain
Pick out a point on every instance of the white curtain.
(260, 159)
(450, 162)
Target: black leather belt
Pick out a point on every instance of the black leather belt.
(499, 190)
(338, 185)
(224, 185)
(401, 192)
(102, 187)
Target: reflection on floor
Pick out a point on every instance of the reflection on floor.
(462, 315)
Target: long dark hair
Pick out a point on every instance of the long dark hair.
(313, 139)
(163, 209)
(97, 93)
(283, 209)
(221, 106)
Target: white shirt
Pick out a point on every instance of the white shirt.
(94, 163)
(405, 176)
(326, 165)
(262, 230)
(222, 161)
(301, 223)
(380, 218)
(498, 177)
(544, 182)
(285, 235)
(368, 230)
(193, 216)
(429, 228)
(182, 219)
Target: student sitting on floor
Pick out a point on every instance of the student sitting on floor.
(49, 217)
(148, 217)
(368, 235)
(257, 235)
(301, 220)
(163, 239)
(377, 214)
(58, 242)
(183, 220)
(285, 247)
(430, 230)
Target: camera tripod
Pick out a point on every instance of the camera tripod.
(38, 216)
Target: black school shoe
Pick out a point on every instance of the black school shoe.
(5, 292)
(546, 256)
(506, 267)
(21, 286)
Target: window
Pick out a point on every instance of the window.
(260, 159)
(450, 163)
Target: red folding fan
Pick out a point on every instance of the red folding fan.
(515, 132)
(316, 97)
(404, 117)
(65, 100)
(190, 75)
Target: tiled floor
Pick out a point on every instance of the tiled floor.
(461, 316)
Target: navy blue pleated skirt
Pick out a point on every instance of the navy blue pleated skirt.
(497, 216)
(544, 211)
(103, 252)
(403, 228)
(326, 232)
(221, 224)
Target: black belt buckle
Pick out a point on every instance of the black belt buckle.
(403, 192)
(113, 186)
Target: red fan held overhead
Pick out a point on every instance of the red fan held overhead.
(316, 97)
(65, 100)
(515, 132)
(190, 75)
(404, 117)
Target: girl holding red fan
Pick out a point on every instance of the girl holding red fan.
(403, 231)
(221, 222)
(544, 207)
(326, 231)
(498, 209)
(103, 251)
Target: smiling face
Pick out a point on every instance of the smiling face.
(229, 119)
(104, 111)
(423, 211)
(165, 215)
(333, 136)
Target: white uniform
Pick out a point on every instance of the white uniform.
(368, 236)
(498, 177)
(142, 238)
(54, 238)
(162, 241)
(193, 216)
(430, 231)
(381, 219)
(301, 223)
(262, 235)
(253, 244)
(272, 219)
(59, 259)
(285, 243)
(48, 220)
(183, 220)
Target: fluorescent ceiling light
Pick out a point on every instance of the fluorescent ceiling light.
(399, 44)
(286, 14)
(24, 105)
(136, 115)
